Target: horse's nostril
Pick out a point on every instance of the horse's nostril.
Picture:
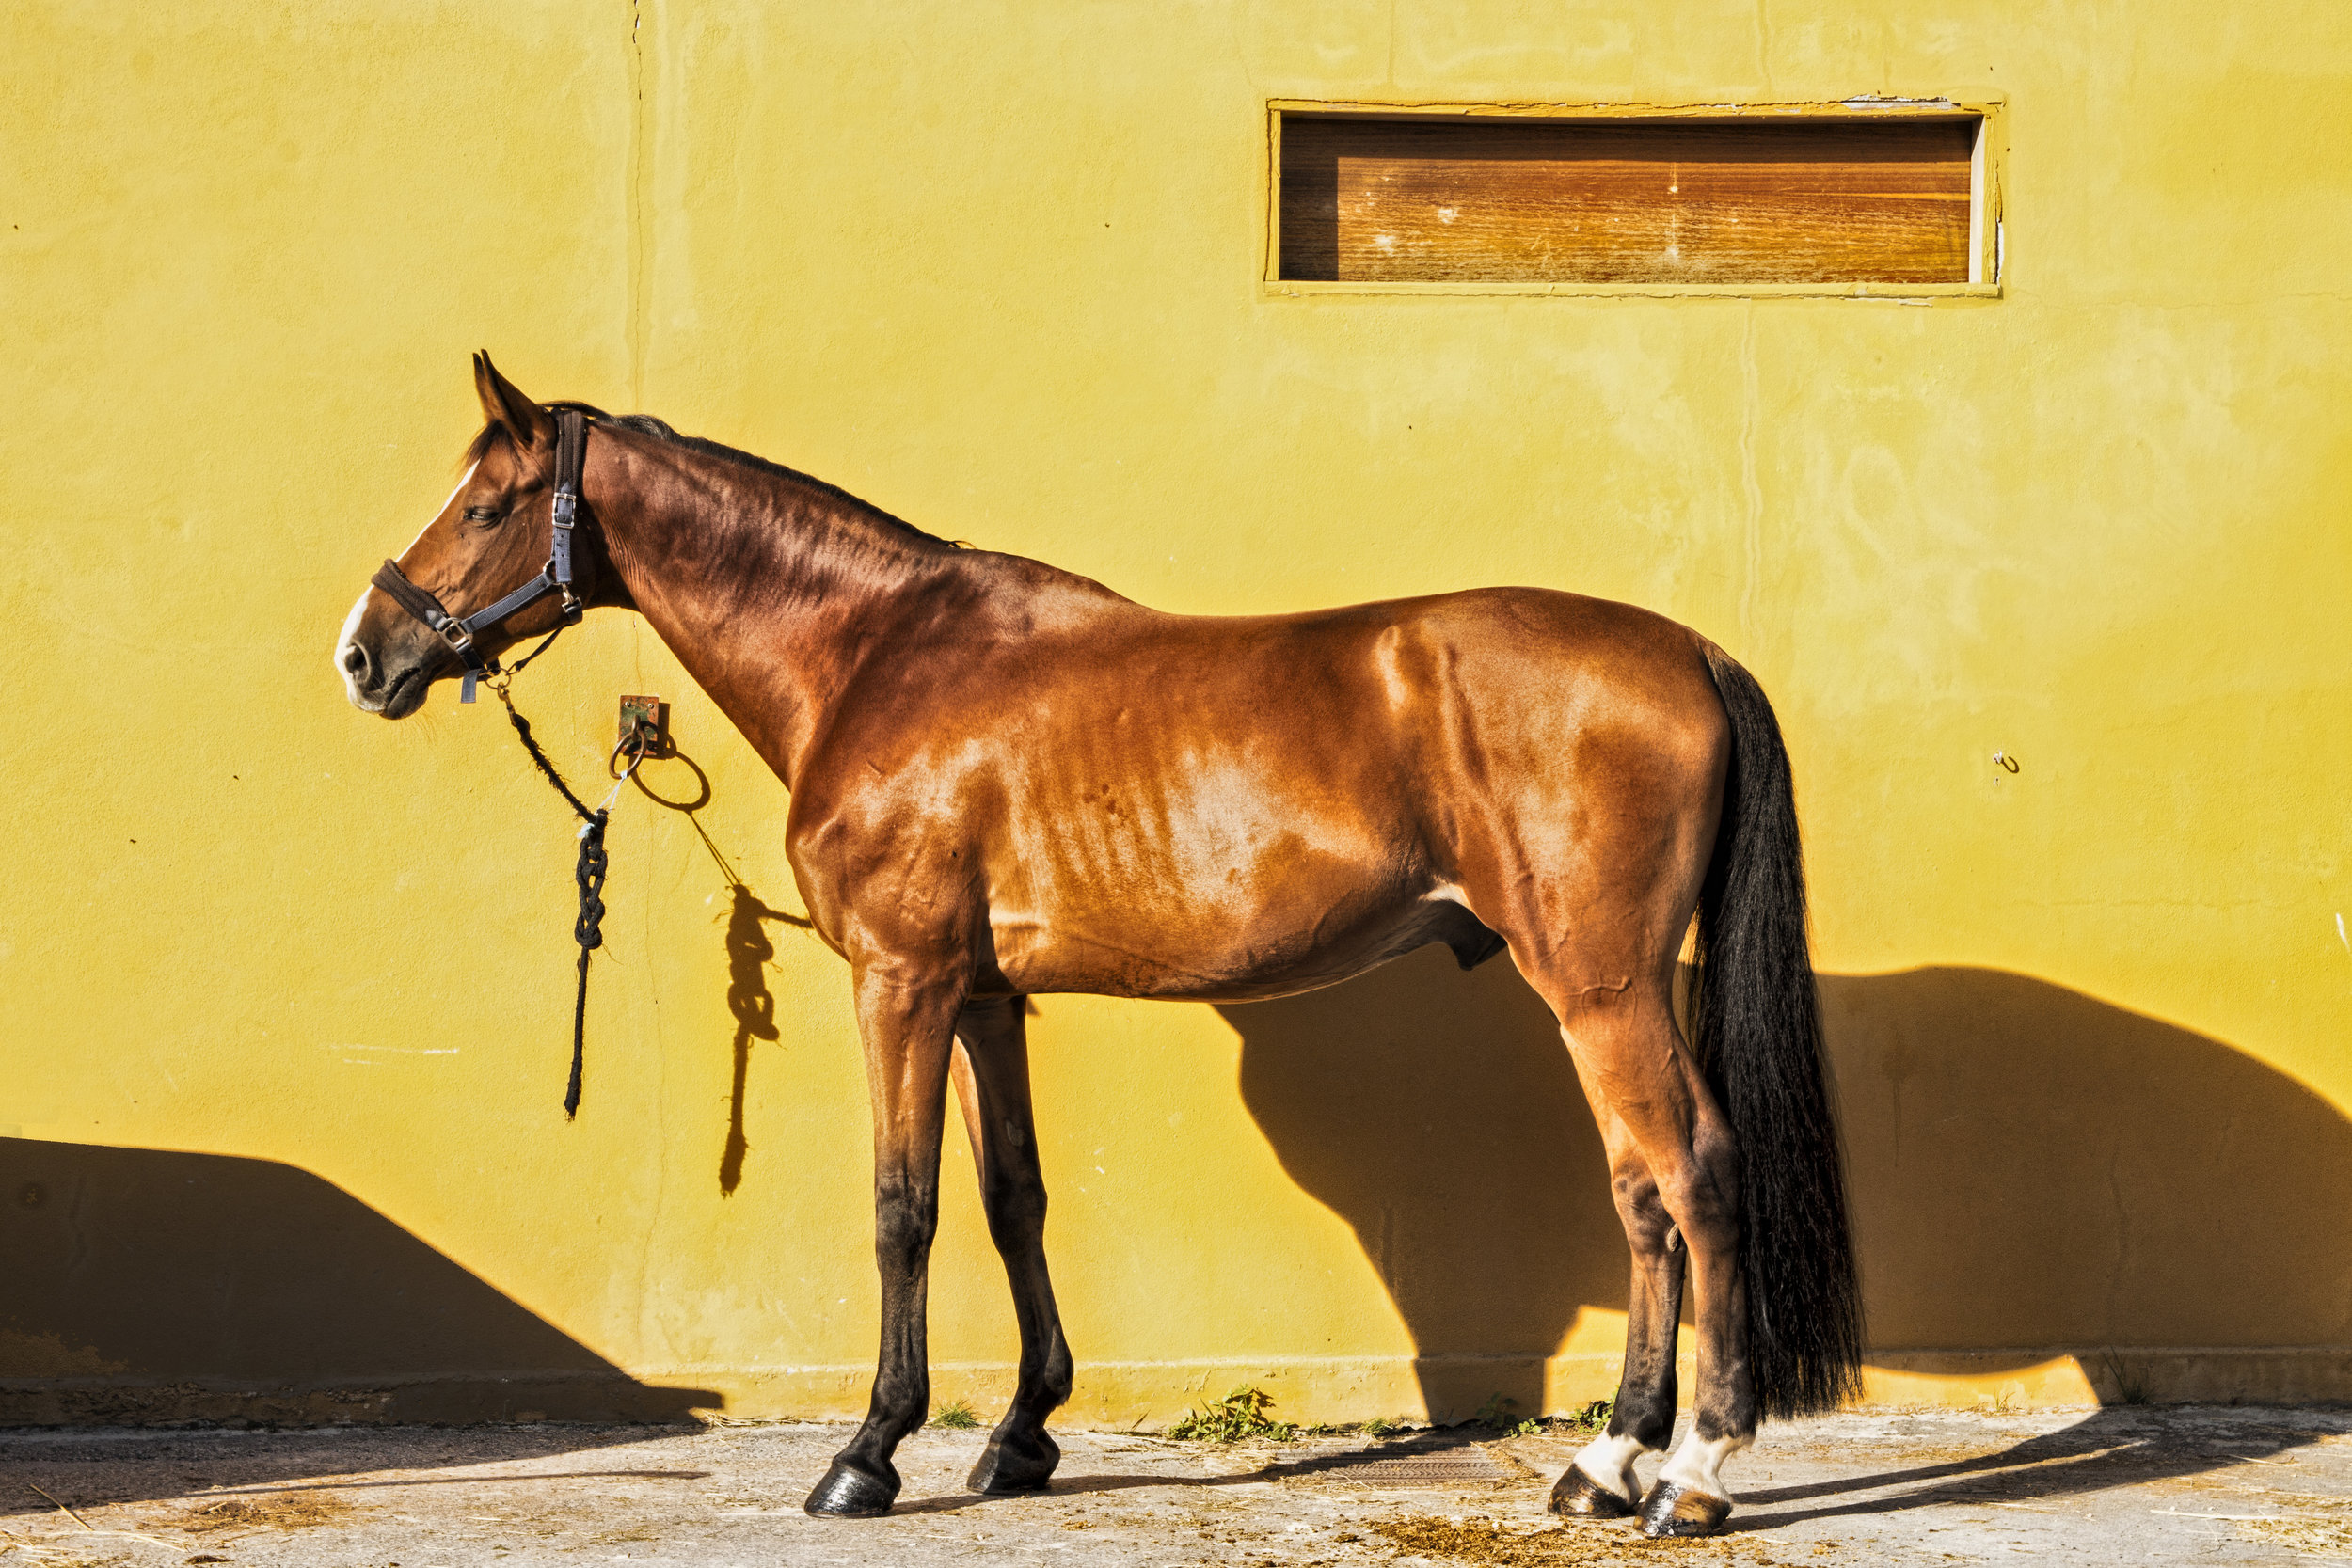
(355, 659)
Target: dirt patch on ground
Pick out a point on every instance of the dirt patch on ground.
(280, 1510)
(2306, 1522)
(1480, 1540)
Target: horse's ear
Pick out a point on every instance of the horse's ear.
(504, 404)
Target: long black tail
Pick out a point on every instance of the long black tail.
(1757, 1027)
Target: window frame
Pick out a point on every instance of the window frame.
(1987, 246)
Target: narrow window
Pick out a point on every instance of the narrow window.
(1885, 199)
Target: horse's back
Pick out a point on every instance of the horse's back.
(1500, 694)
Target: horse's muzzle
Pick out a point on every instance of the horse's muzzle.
(390, 683)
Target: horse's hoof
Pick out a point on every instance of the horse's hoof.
(1015, 1465)
(1577, 1496)
(1675, 1509)
(848, 1493)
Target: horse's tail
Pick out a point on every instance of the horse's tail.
(1756, 1028)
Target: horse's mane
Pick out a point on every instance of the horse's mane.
(493, 434)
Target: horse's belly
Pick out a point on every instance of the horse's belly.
(1228, 870)
(1194, 955)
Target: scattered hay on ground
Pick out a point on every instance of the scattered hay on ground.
(278, 1510)
(37, 1552)
(2318, 1525)
(1482, 1540)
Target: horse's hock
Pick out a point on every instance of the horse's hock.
(287, 995)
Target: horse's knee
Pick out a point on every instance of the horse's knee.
(1013, 1199)
(906, 1220)
(1701, 1198)
(1055, 1379)
(1641, 1208)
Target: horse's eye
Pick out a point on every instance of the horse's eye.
(485, 515)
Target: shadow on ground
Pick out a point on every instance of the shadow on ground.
(2108, 1448)
(2029, 1167)
(87, 1470)
(147, 1286)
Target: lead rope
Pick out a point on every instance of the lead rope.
(588, 929)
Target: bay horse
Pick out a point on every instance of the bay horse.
(1008, 780)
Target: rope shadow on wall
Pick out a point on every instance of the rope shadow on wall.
(147, 1285)
(750, 953)
(2032, 1170)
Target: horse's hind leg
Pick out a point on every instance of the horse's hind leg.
(1601, 1484)
(992, 1078)
(1632, 1060)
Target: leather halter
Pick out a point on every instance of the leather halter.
(461, 633)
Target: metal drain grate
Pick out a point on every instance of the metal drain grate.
(1398, 1464)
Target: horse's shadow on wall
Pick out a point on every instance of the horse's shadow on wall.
(2031, 1167)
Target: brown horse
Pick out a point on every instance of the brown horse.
(1008, 780)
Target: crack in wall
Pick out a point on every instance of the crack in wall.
(2122, 1268)
(639, 244)
(1750, 490)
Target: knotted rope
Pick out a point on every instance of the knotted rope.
(588, 929)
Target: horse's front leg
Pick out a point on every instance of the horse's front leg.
(906, 1021)
(991, 1075)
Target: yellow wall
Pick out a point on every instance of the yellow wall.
(996, 268)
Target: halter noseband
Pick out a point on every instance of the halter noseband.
(571, 449)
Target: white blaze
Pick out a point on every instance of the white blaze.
(351, 629)
(360, 605)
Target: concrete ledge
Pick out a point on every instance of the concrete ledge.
(2121, 1374)
(1133, 1394)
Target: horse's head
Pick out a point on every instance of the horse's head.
(488, 539)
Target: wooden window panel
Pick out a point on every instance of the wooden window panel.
(1812, 199)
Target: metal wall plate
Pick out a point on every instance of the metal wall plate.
(648, 713)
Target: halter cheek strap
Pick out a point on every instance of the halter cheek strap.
(461, 633)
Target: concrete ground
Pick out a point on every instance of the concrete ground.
(2155, 1486)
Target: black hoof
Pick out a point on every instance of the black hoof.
(1577, 1496)
(1672, 1510)
(848, 1493)
(1015, 1463)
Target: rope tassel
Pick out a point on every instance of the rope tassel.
(588, 929)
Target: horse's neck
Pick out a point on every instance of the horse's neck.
(770, 591)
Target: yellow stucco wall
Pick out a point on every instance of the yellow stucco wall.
(997, 269)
